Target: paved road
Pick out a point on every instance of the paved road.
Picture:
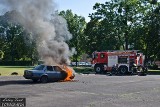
(86, 91)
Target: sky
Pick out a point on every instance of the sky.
(79, 7)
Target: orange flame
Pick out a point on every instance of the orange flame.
(69, 71)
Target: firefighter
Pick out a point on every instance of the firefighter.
(133, 67)
(115, 70)
(142, 71)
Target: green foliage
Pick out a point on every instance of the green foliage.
(116, 19)
(1, 55)
(83, 70)
(14, 39)
(153, 67)
(16, 63)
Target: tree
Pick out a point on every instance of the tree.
(15, 44)
(152, 36)
(118, 18)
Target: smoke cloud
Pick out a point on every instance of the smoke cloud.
(50, 31)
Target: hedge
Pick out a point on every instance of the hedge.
(16, 63)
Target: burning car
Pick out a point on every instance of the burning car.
(45, 73)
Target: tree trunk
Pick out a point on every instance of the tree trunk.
(126, 40)
(12, 53)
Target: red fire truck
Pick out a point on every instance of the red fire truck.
(123, 60)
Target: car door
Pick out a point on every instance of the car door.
(52, 74)
(58, 70)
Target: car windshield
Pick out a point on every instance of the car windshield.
(39, 67)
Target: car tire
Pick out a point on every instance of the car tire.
(44, 79)
(123, 70)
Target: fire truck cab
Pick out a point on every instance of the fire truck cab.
(123, 60)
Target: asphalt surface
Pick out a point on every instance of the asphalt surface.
(86, 91)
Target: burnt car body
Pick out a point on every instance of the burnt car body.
(46, 73)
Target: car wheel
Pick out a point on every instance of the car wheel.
(34, 80)
(98, 69)
(44, 79)
(123, 70)
(72, 77)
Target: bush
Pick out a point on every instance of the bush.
(15, 63)
(1, 54)
(154, 67)
(83, 70)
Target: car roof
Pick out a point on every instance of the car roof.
(48, 65)
(61, 66)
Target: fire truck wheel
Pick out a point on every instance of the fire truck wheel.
(98, 69)
(123, 70)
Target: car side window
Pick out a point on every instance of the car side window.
(102, 55)
(49, 68)
(57, 68)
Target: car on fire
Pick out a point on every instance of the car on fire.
(46, 73)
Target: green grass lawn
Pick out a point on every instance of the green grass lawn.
(7, 70)
(154, 72)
